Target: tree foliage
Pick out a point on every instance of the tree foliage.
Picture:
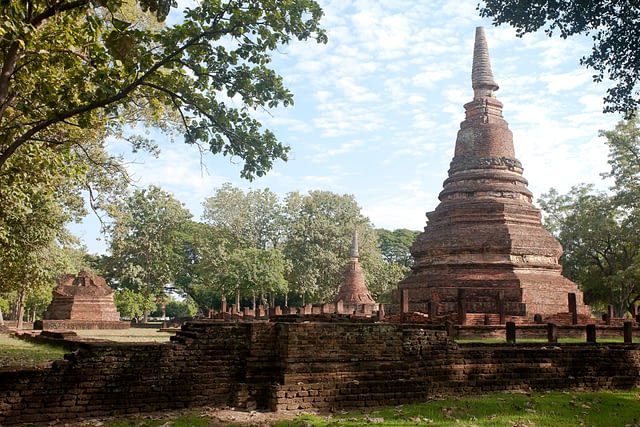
(254, 219)
(396, 245)
(145, 241)
(76, 66)
(600, 232)
(613, 26)
(318, 241)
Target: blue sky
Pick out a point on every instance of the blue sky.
(377, 110)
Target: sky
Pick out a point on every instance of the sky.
(377, 110)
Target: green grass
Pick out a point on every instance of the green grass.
(126, 335)
(545, 409)
(604, 340)
(557, 409)
(15, 353)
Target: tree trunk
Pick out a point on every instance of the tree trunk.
(20, 308)
(286, 299)
(238, 299)
(254, 301)
(1, 318)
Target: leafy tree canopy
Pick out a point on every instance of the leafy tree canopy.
(396, 245)
(318, 242)
(70, 66)
(600, 232)
(145, 241)
(612, 25)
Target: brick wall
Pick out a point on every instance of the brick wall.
(297, 365)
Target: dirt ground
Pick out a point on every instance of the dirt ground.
(219, 417)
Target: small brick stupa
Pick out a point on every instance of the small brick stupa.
(82, 302)
(484, 244)
(353, 290)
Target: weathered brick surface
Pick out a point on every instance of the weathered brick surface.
(297, 365)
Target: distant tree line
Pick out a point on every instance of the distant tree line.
(248, 248)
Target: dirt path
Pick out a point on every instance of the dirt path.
(218, 418)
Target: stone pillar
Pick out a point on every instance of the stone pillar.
(367, 310)
(552, 332)
(327, 308)
(451, 329)
(277, 311)
(591, 334)
(340, 307)
(223, 306)
(307, 309)
(433, 310)
(234, 309)
(634, 311)
(628, 332)
(404, 304)
(380, 312)
(511, 332)
(609, 314)
(462, 307)
(573, 308)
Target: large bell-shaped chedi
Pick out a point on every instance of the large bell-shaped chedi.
(485, 243)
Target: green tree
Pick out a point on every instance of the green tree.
(613, 26)
(145, 241)
(256, 272)
(131, 304)
(72, 67)
(600, 231)
(396, 245)
(624, 160)
(254, 219)
(205, 251)
(186, 308)
(601, 251)
(318, 243)
(39, 196)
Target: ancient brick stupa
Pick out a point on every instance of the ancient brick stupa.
(82, 302)
(484, 244)
(353, 290)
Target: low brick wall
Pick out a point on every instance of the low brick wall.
(297, 365)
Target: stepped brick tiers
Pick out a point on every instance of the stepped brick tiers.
(82, 302)
(353, 291)
(484, 252)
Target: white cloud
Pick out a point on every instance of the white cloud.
(378, 108)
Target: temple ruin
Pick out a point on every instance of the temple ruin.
(82, 302)
(484, 252)
(353, 291)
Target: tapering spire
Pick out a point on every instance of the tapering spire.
(354, 245)
(484, 245)
(481, 76)
(353, 289)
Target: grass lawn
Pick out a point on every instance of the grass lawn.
(16, 353)
(547, 409)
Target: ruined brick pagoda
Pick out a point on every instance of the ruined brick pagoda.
(84, 301)
(484, 250)
(353, 290)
